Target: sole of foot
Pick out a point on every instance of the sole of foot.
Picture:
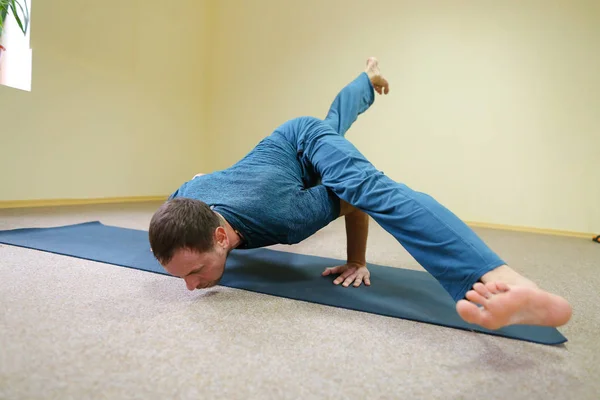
(503, 305)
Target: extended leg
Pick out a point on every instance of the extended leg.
(444, 245)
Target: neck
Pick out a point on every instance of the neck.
(234, 239)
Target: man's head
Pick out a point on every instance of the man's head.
(190, 241)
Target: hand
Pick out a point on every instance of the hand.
(350, 272)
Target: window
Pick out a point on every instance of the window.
(15, 51)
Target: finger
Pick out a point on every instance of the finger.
(358, 281)
(341, 278)
(331, 270)
(345, 274)
(349, 280)
(367, 281)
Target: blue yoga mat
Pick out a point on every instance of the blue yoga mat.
(394, 292)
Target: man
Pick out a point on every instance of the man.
(305, 175)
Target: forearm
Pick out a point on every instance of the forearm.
(357, 231)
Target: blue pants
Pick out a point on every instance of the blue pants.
(444, 245)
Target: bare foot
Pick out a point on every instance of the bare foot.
(380, 84)
(504, 305)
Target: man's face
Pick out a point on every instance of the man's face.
(199, 270)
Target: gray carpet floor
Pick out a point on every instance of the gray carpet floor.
(75, 329)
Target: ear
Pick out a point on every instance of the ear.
(221, 237)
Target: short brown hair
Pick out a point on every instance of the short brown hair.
(182, 223)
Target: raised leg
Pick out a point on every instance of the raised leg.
(356, 97)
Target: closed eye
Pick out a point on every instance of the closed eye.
(194, 271)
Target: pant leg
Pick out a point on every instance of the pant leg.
(353, 100)
(444, 245)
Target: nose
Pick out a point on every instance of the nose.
(190, 284)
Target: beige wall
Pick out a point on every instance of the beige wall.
(494, 108)
(116, 107)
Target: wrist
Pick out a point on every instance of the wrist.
(361, 263)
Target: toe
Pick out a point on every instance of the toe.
(468, 311)
(492, 287)
(502, 287)
(475, 297)
(482, 290)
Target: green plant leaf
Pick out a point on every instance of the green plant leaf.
(24, 11)
(14, 6)
(26, 16)
(3, 12)
(16, 15)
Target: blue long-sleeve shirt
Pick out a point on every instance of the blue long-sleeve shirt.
(264, 197)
